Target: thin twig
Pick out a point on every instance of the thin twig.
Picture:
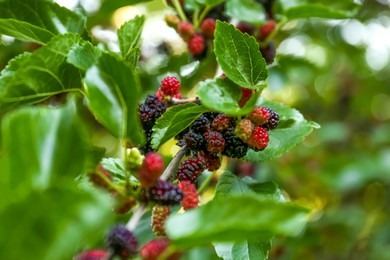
(135, 218)
(174, 163)
(177, 101)
(206, 182)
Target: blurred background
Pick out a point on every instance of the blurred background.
(336, 73)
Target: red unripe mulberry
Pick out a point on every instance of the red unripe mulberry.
(196, 45)
(259, 115)
(92, 255)
(215, 142)
(185, 30)
(190, 195)
(266, 30)
(208, 27)
(151, 169)
(259, 139)
(155, 248)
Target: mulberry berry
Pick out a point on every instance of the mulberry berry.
(245, 27)
(196, 45)
(244, 129)
(155, 248)
(151, 110)
(159, 216)
(170, 86)
(245, 96)
(194, 141)
(201, 124)
(208, 27)
(259, 115)
(190, 199)
(266, 29)
(122, 242)
(259, 139)
(185, 30)
(92, 255)
(172, 20)
(151, 169)
(235, 147)
(268, 52)
(213, 162)
(215, 142)
(165, 193)
(190, 169)
(221, 122)
(273, 120)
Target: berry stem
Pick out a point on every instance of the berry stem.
(167, 252)
(177, 101)
(179, 10)
(273, 33)
(206, 182)
(172, 166)
(202, 15)
(135, 218)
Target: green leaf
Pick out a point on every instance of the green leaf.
(223, 95)
(115, 166)
(83, 55)
(129, 35)
(246, 10)
(243, 250)
(41, 156)
(46, 218)
(292, 130)
(112, 90)
(239, 56)
(38, 20)
(33, 77)
(305, 9)
(175, 120)
(230, 184)
(222, 220)
(110, 6)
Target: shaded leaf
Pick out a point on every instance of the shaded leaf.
(38, 20)
(292, 129)
(112, 90)
(83, 55)
(40, 157)
(246, 10)
(239, 56)
(220, 220)
(243, 250)
(175, 120)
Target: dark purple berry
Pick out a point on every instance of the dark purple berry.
(122, 242)
(190, 169)
(194, 141)
(235, 147)
(201, 124)
(273, 120)
(165, 193)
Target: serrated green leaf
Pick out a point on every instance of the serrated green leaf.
(239, 56)
(36, 76)
(110, 6)
(246, 10)
(220, 220)
(230, 184)
(292, 129)
(306, 9)
(243, 250)
(112, 90)
(37, 20)
(175, 120)
(222, 95)
(129, 35)
(115, 166)
(83, 55)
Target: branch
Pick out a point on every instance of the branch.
(173, 164)
(135, 218)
